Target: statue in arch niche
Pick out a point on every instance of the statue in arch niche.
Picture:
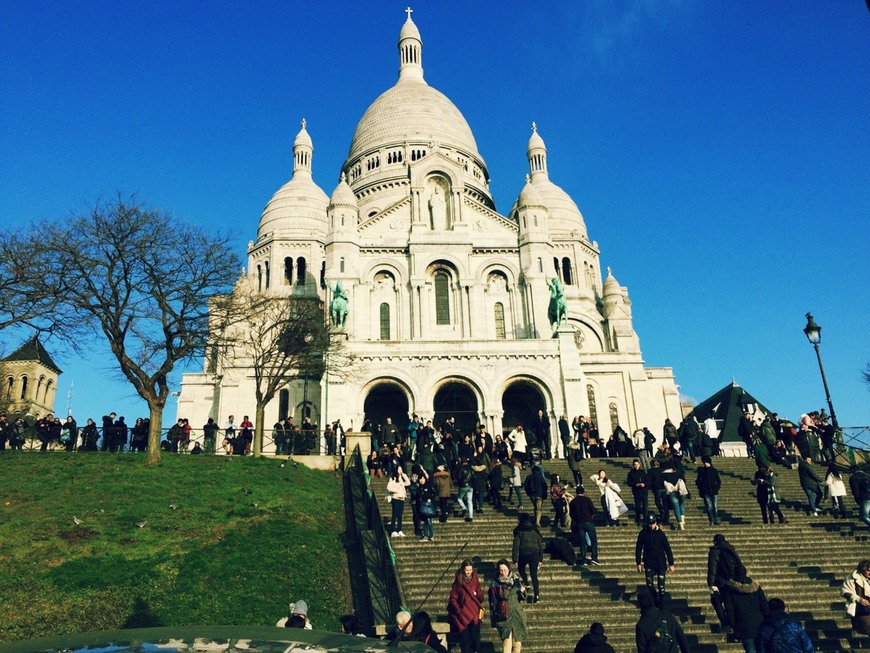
(438, 208)
(338, 307)
(557, 311)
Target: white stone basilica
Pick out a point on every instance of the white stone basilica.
(447, 298)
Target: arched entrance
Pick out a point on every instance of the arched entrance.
(457, 400)
(521, 402)
(387, 400)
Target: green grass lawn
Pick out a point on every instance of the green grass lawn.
(215, 558)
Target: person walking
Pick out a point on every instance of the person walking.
(859, 485)
(397, 491)
(528, 551)
(444, 486)
(506, 612)
(611, 502)
(709, 483)
(537, 490)
(722, 564)
(836, 490)
(780, 634)
(657, 629)
(654, 558)
(746, 606)
(581, 510)
(464, 608)
(856, 592)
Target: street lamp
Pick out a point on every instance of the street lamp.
(813, 333)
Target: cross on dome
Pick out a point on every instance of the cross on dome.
(534, 127)
(304, 122)
(409, 11)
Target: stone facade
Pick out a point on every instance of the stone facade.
(449, 300)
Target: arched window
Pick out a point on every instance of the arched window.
(614, 417)
(10, 383)
(499, 321)
(48, 388)
(39, 384)
(442, 298)
(567, 273)
(341, 265)
(300, 271)
(323, 274)
(557, 268)
(268, 274)
(540, 265)
(288, 271)
(283, 404)
(259, 278)
(593, 409)
(385, 321)
(23, 387)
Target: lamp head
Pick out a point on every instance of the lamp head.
(812, 330)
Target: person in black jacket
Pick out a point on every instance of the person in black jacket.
(810, 484)
(639, 483)
(528, 550)
(660, 495)
(709, 483)
(595, 641)
(746, 606)
(722, 565)
(657, 630)
(581, 509)
(654, 558)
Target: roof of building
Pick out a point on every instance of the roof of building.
(33, 350)
(727, 406)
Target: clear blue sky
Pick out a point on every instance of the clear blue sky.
(719, 151)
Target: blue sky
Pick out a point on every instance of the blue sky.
(719, 151)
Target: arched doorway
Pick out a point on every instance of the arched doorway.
(521, 402)
(387, 400)
(457, 400)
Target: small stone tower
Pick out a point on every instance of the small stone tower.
(29, 380)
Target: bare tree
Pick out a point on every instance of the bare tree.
(141, 278)
(278, 338)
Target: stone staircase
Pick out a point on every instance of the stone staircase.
(803, 561)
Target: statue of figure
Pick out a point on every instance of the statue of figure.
(558, 308)
(338, 306)
(438, 209)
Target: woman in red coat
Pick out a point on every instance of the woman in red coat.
(464, 607)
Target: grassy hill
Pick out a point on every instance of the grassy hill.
(195, 540)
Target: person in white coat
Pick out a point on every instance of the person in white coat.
(518, 442)
(611, 502)
(856, 591)
(712, 432)
(836, 490)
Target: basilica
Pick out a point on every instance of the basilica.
(450, 307)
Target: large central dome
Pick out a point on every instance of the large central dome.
(412, 111)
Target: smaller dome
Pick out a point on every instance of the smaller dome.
(298, 206)
(409, 30)
(611, 285)
(303, 138)
(529, 195)
(535, 141)
(343, 195)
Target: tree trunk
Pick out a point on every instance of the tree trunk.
(259, 416)
(153, 454)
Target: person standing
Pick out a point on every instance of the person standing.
(859, 485)
(229, 435)
(712, 432)
(595, 641)
(464, 608)
(746, 606)
(541, 429)
(856, 591)
(581, 510)
(810, 484)
(780, 634)
(503, 598)
(528, 550)
(654, 558)
(574, 454)
(564, 435)
(639, 483)
(611, 503)
(519, 443)
(108, 431)
(722, 564)
(465, 495)
(766, 494)
(836, 490)
(397, 491)
(657, 630)
(443, 486)
(516, 482)
(660, 494)
(709, 484)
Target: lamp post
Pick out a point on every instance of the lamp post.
(813, 333)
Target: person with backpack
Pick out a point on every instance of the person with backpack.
(781, 634)
(722, 565)
(505, 610)
(657, 631)
(595, 641)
